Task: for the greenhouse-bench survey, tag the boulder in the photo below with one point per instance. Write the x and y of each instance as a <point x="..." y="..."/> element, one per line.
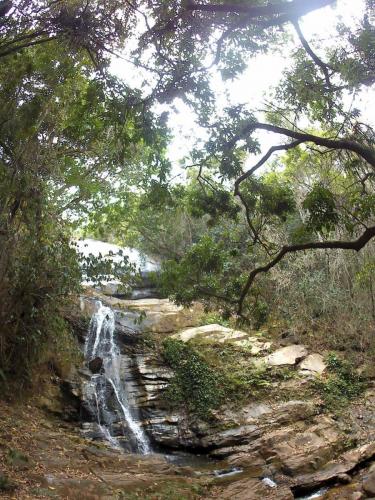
<point x="95" y="365"/>
<point x="222" y="334"/>
<point x="314" y="364"/>
<point x="289" y="355"/>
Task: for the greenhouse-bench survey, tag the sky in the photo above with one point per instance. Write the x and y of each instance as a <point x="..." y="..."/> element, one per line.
<point x="318" y="28"/>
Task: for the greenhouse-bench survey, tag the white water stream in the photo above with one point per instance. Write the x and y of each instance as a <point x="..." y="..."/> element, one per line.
<point x="106" y="388"/>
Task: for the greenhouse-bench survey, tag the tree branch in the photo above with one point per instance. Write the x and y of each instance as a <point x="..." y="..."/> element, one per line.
<point x="355" y="245"/>
<point x="323" y="66"/>
<point x="25" y="45"/>
<point x="364" y="152"/>
<point x="273" y="149"/>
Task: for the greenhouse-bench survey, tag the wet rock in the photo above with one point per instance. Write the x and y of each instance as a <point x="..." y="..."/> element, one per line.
<point x="95" y="365"/>
<point x="289" y="355"/>
<point x="88" y="305"/>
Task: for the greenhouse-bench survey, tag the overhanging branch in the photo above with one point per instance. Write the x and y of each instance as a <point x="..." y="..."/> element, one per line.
<point x="355" y="245"/>
<point x="365" y="152"/>
<point x="273" y="149"/>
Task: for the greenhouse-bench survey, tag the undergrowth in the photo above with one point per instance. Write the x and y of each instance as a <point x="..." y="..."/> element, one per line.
<point x="340" y="385"/>
<point x="210" y="375"/>
<point x="195" y="384"/>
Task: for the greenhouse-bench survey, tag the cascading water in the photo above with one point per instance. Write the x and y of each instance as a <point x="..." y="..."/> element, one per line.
<point x="105" y="389"/>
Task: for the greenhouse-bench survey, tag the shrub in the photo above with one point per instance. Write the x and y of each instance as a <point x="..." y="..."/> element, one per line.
<point x="340" y="385"/>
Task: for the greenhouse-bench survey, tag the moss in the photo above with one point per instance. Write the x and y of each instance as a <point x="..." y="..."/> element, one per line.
<point x="207" y="375"/>
<point x="195" y="384"/>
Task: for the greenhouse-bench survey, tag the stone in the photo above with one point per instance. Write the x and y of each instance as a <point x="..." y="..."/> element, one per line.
<point x="214" y="332"/>
<point x="314" y="364"/>
<point x="289" y="355"/>
<point x="344" y="478"/>
<point x="95" y="365"/>
<point x="222" y="334"/>
<point x="344" y="464"/>
<point x="368" y="484"/>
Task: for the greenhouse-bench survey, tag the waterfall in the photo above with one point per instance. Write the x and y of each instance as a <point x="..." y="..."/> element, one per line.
<point x="105" y="390"/>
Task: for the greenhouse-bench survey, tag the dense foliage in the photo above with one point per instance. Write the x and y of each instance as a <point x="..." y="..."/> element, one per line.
<point x="80" y="148"/>
<point x="70" y="138"/>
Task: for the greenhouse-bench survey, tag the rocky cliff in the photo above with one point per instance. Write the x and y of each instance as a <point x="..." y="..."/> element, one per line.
<point x="285" y="435"/>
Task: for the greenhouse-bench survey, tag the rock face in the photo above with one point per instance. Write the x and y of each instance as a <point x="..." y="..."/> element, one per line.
<point x="287" y="439"/>
<point x="96" y="365"/>
<point x="289" y="355"/>
<point x="144" y="315"/>
<point x="314" y="364"/>
<point x="221" y="334"/>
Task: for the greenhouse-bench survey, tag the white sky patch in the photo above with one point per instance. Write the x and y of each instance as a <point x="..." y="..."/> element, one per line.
<point x="262" y="74"/>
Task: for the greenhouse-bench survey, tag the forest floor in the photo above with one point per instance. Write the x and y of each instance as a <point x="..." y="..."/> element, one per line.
<point x="43" y="457"/>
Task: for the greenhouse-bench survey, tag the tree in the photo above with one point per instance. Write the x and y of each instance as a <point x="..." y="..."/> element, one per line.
<point x="189" y="39"/>
<point x="70" y="138"/>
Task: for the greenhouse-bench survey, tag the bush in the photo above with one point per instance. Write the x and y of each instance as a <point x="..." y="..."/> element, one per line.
<point x="41" y="275"/>
<point x="340" y="385"/>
